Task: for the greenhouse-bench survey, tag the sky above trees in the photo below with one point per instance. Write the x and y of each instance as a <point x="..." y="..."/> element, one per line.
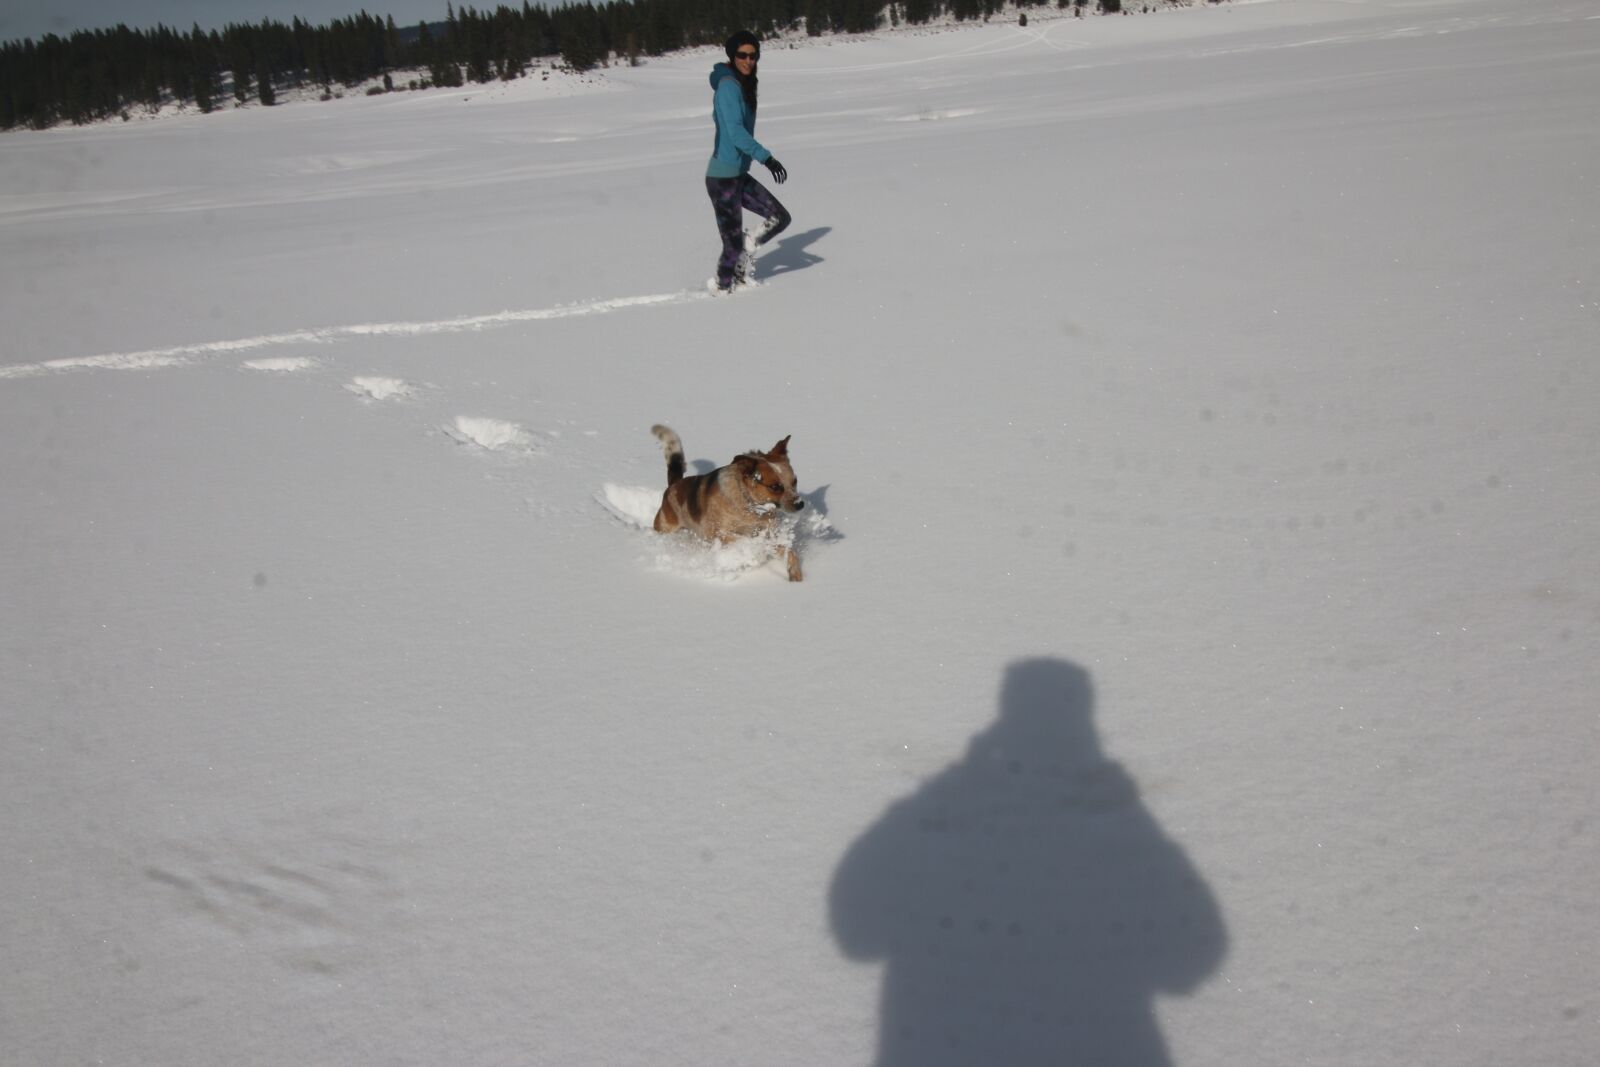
<point x="35" y="18"/>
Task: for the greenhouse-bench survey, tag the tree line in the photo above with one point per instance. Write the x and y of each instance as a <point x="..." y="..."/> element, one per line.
<point x="93" y="75"/>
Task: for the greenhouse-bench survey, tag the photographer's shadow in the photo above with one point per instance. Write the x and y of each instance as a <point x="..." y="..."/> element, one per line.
<point x="1026" y="906"/>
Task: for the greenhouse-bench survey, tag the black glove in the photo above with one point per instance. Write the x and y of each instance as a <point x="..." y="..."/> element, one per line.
<point x="779" y="175"/>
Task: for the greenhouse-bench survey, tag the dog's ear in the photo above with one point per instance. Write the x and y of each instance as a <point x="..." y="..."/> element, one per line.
<point x="781" y="448"/>
<point x="745" y="464"/>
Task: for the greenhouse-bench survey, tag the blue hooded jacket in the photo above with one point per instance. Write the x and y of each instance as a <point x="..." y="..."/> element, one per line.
<point x="735" y="147"/>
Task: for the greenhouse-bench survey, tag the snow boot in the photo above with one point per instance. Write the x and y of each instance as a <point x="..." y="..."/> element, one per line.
<point x="753" y="241"/>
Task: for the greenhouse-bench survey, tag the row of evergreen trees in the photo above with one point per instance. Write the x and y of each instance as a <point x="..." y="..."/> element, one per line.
<point x="99" y="74"/>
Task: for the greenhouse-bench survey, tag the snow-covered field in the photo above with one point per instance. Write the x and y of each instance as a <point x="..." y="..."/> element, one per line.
<point x="1196" y="662"/>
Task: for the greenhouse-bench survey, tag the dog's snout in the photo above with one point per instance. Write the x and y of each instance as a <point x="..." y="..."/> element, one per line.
<point x="797" y="505"/>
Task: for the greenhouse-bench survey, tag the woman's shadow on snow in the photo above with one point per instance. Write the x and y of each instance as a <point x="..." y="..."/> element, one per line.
<point x="1026" y="906"/>
<point x="790" y="254"/>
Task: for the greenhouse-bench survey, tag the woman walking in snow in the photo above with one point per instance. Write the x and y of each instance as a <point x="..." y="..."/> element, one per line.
<point x="728" y="180"/>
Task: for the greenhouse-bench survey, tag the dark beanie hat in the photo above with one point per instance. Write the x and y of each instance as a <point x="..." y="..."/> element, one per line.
<point x="731" y="45"/>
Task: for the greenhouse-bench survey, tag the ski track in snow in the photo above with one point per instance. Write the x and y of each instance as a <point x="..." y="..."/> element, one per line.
<point x="280" y="365"/>
<point x="681" y="554"/>
<point x="635" y="506"/>
<point x="184" y="355"/>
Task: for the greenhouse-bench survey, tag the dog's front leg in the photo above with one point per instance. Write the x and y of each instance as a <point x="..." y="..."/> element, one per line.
<point x="793" y="559"/>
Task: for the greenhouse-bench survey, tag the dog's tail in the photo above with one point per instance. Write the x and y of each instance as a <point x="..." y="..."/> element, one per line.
<point x="674" y="450"/>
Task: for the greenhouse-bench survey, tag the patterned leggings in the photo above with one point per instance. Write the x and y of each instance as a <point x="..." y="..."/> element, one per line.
<point x="729" y="199"/>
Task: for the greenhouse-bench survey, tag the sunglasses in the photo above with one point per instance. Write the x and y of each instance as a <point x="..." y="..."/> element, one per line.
<point x="752" y="56"/>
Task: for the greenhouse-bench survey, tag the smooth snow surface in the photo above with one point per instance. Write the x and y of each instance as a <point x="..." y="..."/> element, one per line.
<point x="1196" y="658"/>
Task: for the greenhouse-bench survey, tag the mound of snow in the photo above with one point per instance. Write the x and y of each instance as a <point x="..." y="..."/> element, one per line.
<point x="280" y="365"/>
<point x="378" y="388"/>
<point x="496" y="435"/>
<point x="634" y="504"/>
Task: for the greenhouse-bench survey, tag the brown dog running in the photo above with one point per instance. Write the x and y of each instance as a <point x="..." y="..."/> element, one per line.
<point x="739" y="500"/>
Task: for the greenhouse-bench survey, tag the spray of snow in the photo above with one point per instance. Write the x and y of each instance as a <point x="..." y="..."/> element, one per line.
<point x="682" y="553"/>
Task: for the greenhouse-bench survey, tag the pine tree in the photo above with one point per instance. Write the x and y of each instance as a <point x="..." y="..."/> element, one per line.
<point x="581" y="47"/>
<point x="393" y="51"/>
<point x="264" y="89"/>
<point x="240" y="63"/>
